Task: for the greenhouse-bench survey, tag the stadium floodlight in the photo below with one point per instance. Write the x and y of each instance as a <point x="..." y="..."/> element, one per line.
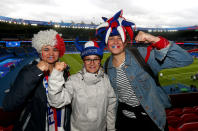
<point x="34" y="24"/>
<point x="56" y="26"/>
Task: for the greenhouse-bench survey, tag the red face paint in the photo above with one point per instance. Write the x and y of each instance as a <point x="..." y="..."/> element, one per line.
<point x="115" y="46"/>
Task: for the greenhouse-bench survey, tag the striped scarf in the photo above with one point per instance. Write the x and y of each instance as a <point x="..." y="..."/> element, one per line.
<point x="55" y="122"/>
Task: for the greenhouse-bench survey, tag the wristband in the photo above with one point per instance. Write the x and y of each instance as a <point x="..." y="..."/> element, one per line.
<point x="162" y="43"/>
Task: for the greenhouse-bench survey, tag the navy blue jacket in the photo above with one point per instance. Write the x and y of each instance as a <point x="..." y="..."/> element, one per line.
<point x="28" y="95"/>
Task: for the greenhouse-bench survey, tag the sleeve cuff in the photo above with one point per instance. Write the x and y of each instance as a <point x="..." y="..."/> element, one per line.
<point x="160" y="54"/>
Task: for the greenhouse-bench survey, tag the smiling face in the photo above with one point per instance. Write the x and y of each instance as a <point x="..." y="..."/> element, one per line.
<point x="92" y="63"/>
<point x="115" y="45"/>
<point x="49" y="54"/>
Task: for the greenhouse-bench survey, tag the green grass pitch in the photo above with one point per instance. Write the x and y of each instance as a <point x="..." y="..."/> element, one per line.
<point x="170" y="76"/>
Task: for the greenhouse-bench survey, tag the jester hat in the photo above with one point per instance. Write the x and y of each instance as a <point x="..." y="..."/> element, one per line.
<point x="90" y="48"/>
<point x="116" y="25"/>
<point x="48" y="37"/>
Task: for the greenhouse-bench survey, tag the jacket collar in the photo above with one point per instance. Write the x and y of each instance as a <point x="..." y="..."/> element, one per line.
<point x="91" y="78"/>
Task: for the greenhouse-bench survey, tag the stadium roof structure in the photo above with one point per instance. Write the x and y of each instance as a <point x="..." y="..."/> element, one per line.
<point x="167" y="29"/>
<point x="83" y="25"/>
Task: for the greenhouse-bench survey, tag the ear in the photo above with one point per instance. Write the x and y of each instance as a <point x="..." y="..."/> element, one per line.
<point x="78" y="46"/>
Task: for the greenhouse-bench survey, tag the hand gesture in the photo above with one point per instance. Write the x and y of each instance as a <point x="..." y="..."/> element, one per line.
<point x="146" y="38"/>
<point x="43" y="66"/>
<point x="60" y="66"/>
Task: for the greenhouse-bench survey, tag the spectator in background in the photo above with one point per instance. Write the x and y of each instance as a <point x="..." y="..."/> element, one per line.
<point x="141" y="103"/>
<point x="29" y="91"/>
<point x="90" y="92"/>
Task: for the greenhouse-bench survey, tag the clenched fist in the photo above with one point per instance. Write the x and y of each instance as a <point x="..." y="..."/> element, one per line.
<point x="43" y="66"/>
<point x="146" y="38"/>
<point x="60" y="66"/>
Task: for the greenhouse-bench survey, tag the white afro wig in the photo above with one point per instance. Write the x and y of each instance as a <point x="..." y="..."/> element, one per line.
<point x="42" y="38"/>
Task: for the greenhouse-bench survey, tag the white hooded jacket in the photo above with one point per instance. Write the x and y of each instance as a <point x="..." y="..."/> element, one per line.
<point x="92" y="97"/>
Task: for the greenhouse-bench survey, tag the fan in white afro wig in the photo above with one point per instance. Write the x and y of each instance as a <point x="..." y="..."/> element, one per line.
<point x="48" y="37"/>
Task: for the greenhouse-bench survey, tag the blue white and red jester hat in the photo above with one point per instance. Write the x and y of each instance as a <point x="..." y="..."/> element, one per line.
<point x="90" y="48"/>
<point x="116" y="25"/>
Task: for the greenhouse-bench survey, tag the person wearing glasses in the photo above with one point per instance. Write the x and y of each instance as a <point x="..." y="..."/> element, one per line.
<point x="89" y="91"/>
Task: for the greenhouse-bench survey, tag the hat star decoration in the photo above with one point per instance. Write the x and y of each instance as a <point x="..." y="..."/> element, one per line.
<point x="116" y="25"/>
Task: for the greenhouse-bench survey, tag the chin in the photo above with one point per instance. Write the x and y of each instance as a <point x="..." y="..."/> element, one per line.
<point x="51" y="62"/>
<point x="92" y="71"/>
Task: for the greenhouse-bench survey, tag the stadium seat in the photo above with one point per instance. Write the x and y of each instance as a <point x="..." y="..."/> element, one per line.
<point x="190" y="117"/>
<point x="9" y="128"/>
<point x="172" y="129"/>
<point x="174" y="121"/>
<point x="192" y="126"/>
<point x="186" y="110"/>
<point x="175" y="112"/>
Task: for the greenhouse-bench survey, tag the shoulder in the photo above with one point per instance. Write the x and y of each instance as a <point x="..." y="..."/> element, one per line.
<point x="106" y="77"/>
<point x="30" y="69"/>
<point x="75" y="77"/>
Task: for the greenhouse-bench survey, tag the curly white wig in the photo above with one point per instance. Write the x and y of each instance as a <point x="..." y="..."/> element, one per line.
<point x="42" y="38"/>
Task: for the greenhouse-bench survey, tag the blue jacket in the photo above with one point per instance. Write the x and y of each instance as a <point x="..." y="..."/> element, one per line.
<point x="152" y="98"/>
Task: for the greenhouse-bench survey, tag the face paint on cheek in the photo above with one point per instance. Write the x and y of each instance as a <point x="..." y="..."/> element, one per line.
<point x="50" y="57"/>
<point x="42" y="54"/>
<point x="115" y="46"/>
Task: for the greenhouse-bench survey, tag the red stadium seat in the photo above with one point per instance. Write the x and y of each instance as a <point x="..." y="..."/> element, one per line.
<point x="167" y="111"/>
<point x="196" y="109"/>
<point x="186" y="110"/>
<point x="9" y="128"/>
<point x="192" y="126"/>
<point x="173" y="121"/>
<point x="172" y="129"/>
<point x="191" y="117"/>
<point x="175" y="112"/>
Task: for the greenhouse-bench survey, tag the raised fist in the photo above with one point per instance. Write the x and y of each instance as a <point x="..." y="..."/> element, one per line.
<point x="60" y="66"/>
<point x="146" y="38"/>
<point x="43" y="66"/>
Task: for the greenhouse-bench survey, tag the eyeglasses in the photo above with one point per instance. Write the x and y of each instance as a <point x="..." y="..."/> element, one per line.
<point x="88" y="61"/>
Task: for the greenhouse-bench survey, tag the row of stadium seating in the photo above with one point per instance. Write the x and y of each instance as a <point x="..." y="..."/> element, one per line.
<point x="18" y="51"/>
<point x="11" y="57"/>
<point x="179" y="118"/>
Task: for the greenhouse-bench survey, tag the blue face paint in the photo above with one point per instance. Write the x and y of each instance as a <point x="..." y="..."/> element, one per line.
<point x="50" y="57"/>
<point x="115" y="46"/>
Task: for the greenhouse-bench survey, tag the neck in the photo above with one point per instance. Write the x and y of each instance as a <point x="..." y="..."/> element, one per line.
<point x="118" y="59"/>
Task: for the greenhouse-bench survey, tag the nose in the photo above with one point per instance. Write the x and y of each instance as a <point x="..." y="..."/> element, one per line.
<point x="50" y="53"/>
<point x="91" y="62"/>
<point x="116" y="40"/>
